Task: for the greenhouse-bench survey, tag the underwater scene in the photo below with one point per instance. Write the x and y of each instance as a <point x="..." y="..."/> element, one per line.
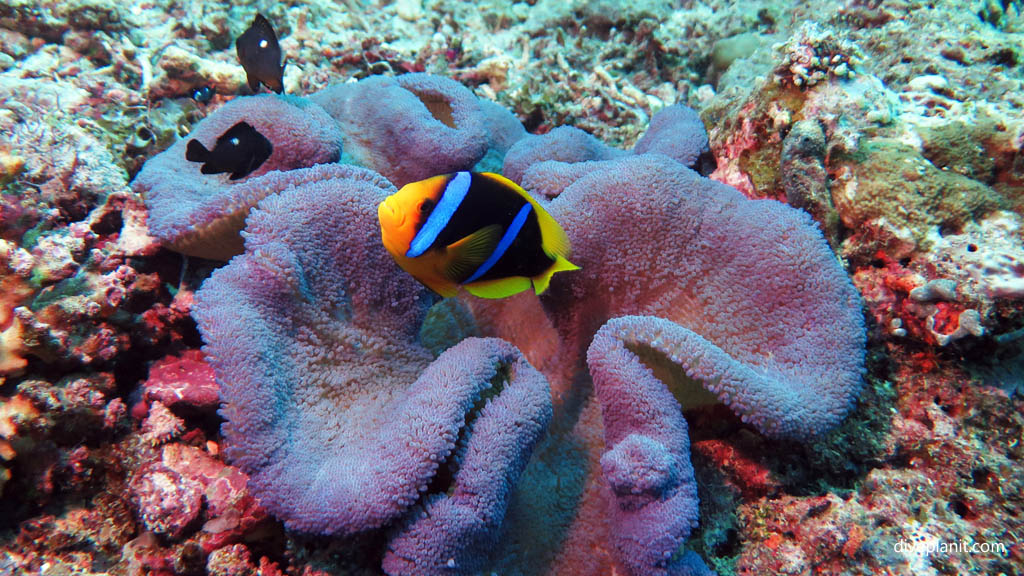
<point x="548" y="287"/>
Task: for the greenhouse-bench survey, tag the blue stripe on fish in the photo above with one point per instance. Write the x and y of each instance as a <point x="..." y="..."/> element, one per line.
<point x="503" y="244"/>
<point x="451" y="199"/>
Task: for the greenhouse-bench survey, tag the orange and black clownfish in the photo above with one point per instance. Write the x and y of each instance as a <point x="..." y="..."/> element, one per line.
<point x="480" y="231"/>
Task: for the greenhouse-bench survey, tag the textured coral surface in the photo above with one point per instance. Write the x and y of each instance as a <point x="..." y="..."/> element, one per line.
<point x="896" y="125"/>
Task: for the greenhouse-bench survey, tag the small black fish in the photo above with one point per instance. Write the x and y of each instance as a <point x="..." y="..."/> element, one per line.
<point x="203" y="94"/>
<point x="260" y="55"/>
<point x="240" y="151"/>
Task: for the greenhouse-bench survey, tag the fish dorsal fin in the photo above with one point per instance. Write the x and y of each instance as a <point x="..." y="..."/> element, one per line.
<point x="466" y="255"/>
<point x="500" y="288"/>
<point x="554" y="241"/>
<point x="261" y="23"/>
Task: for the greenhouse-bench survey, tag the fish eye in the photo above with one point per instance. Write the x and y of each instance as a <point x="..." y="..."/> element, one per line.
<point x="426" y="206"/>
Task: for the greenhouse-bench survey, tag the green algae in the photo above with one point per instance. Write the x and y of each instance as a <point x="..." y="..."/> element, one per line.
<point x="67" y="288"/>
<point x="960" y="146"/>
<point x="762" y="163"/>
<point x="447" y="323"/>
<point x="762" y="166"/>
<point x="891" y="180"/>
<point x="838" y="461"/>
<point x="31" y="237"/>
<point x="716" y="539"/>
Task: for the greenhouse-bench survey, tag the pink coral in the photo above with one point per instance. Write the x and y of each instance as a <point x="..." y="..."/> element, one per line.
<point x="184" y="379"/>
<point x="233" y="560"/>
<point x="647" y="462"/>
<point x="754" y="288"/>
<point x="675" y="131"/>
<point x="753" y="307"/>
<point x="384" y="430"/>
<point x="161" y="425"/>
<point x="416" y="125"/>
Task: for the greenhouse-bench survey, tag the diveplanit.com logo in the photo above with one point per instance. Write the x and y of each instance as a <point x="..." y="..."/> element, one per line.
<point x="955" y="547"/>
<point x="921" y="543"/>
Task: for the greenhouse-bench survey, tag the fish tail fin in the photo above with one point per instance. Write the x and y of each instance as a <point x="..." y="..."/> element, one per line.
<point x="540" y="283"/>
<point x="196" y="152"/>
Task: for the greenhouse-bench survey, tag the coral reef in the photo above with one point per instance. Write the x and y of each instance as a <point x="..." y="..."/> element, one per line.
<point x="896" y="124"/>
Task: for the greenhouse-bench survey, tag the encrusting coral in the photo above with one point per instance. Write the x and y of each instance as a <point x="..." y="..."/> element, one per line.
<point x="341" y="418"/>
<point x="316" y="347"/>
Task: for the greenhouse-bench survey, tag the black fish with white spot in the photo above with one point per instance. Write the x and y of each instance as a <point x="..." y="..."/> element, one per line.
<point x="241" y="151"/>
<point x="260" y="55"/>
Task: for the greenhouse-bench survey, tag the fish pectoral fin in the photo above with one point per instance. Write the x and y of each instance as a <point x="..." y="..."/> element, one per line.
<point x="501" y="288"/>
<point x="466" y="255"/>
<point x="254" y="83"/>
<point x="540" y="283"/>
<point x="196" y="152"/>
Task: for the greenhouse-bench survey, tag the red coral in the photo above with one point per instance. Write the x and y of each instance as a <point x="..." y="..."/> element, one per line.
<point x="182" y="380"/>
<point x="232" y="511"/>
<point x="745" y="472"/>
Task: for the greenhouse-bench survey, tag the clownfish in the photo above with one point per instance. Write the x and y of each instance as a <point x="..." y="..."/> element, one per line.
<point x="480" y="231"/>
